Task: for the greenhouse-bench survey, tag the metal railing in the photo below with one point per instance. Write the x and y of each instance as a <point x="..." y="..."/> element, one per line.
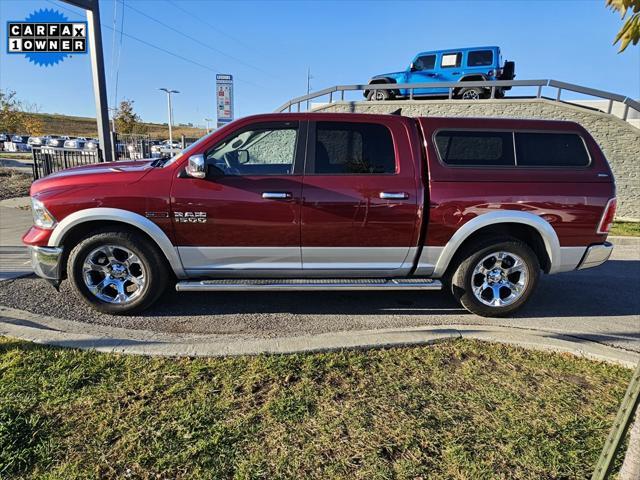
<point x="493" y="87"/>
<point x="47" y="160"/>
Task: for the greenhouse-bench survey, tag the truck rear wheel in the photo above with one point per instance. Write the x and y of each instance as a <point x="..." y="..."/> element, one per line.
<point x="495" y="277"/>
<point x="118" y="272"/>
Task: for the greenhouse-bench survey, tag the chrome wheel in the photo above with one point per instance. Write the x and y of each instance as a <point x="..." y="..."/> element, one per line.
<point x="379" y="95"/>
<point x="471" y="95"/>
<point x="499" y="279"/>
<point x="114" y="274"/>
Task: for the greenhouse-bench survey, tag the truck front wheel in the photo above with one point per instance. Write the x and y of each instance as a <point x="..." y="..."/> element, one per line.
<point x="118" y="272"/>
<point x="495" y="277"/>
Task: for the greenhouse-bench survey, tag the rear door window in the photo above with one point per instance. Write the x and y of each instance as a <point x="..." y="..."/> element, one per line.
<point x="451" y="60"/>
<point x="480" y="58"/>
<point x="475" y="148"/>
<point x="551" y="150"/>
<point x="353" y="148"/>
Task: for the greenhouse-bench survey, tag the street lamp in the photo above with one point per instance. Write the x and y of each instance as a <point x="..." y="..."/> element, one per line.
<point x="169" y="92"/>
<point x="208" y="120"/>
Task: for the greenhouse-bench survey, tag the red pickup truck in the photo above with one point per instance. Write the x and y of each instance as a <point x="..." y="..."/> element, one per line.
<point x="333" y="201"/>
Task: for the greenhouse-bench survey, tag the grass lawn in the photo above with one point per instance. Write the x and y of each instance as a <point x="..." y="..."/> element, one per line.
<point x="461" y="409"/>
<point x="14" y="183"/>
<point x="16" y="155"/>
<point x="626" y="228"/>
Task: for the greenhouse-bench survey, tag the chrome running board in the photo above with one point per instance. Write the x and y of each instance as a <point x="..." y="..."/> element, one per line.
<point x="309" y="284"/>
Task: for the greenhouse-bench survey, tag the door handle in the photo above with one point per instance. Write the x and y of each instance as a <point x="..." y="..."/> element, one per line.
<point x="394" y="195"/>
<point x="455" y="73"/>
<point x="276" y="195"/>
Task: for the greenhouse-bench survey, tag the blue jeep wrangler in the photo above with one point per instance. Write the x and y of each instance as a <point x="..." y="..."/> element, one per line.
<point x="453" y="65"/>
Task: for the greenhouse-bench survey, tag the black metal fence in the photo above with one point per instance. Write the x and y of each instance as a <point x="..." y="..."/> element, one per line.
<point x="47" y="160"/>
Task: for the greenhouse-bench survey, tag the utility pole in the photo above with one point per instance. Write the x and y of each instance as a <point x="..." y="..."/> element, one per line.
<point x="208" y="120"/>
<point x="97" y="72"/>
<point x="169" y="92"/>
<point x="309" y="77"/>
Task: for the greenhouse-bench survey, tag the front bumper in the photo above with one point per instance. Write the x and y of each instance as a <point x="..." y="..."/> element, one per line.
<point x="596" y="255"/>
<point x="46" y="262"/>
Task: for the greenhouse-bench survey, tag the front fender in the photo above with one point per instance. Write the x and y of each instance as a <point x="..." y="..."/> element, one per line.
<point x="123" y="216"/>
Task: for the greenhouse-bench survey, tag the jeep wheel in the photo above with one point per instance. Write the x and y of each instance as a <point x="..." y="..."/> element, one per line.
<point x="496" y="277"/>
<point x="117" y="272"/>
<point x="379" y="95"/>
<point x="472" y="93"/>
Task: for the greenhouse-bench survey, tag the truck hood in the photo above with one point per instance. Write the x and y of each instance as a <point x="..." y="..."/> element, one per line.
<point x="110" y="172"/>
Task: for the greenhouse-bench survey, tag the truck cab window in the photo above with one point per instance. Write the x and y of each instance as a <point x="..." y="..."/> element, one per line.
<point x="353" y="148"/>
<point x="259" y="151"/>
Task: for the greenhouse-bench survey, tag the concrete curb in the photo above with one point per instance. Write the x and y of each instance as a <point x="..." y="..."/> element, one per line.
<point x="620" y="240"/>
<point x="66" y="333"/>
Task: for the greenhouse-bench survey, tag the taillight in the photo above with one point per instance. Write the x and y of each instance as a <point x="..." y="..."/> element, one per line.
<point x="607" y="217"/>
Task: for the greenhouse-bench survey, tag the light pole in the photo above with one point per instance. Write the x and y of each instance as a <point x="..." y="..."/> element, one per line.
<point x="208" y="120"/>
<point x="169" y="92"/>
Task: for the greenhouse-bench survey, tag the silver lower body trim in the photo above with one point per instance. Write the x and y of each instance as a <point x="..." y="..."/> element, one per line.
<point x="596" y="255"/>
<point x="309" y="284"/>
<point x="226" y="262"/>
<point x="46" y="262"/>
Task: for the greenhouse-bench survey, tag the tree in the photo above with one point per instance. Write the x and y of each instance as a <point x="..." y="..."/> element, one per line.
<point x="128" y="121"/>
<point x="11" y="115"/>
<point x="630" y="31"/>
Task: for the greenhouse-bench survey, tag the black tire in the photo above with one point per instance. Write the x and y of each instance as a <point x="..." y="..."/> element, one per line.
<point x="151" y="269"/>
<point x="379" y="95"/>
<point x="463" y="279"/>
<point x="474" y="93"/>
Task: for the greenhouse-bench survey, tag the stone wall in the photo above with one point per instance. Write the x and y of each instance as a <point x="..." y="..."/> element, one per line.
<point x="619" y="140"/>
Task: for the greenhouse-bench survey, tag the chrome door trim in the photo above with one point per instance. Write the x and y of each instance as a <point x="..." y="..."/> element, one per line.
<point x="394" y="195"/>
<point x="277" y="195"/>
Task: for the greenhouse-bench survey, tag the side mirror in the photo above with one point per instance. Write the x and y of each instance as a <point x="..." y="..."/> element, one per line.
<point x="412" y="67"/>
<point x="196" y="166"/>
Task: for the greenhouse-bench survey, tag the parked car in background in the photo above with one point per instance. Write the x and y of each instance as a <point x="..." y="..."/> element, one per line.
<point x="37" y="141"/>
<point x="312" y="201"/>
<point x="17" y="143"/>
<point x="452" y="65"/>
<point x="92" y="144"/>
<point x="56" y="140"/>
<point x="75" y="142"/>
<point x="3" y="138"/>
<point x="165" y="149"/>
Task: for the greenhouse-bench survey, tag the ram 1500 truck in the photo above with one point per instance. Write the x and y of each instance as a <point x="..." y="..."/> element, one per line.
<point x="333" y="201"/>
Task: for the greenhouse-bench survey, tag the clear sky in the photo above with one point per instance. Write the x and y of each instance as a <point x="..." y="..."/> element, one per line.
<point x="269" y="45"/>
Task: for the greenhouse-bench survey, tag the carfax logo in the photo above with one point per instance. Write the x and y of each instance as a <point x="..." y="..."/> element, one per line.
<point x="46" y="37"/>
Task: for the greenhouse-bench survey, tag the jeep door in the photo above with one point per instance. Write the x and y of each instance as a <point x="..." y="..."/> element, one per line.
<point x="424" y="71"/>
<point x="244" y="217"/>
<point x="450" y="66"/>
<point x="362" y="196"/>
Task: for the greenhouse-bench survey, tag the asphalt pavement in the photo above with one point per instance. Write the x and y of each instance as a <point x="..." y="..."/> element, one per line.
<point x="600" y="305"/>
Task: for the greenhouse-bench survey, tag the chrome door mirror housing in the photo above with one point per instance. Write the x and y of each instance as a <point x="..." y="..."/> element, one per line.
<point x="196" y="166"/>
